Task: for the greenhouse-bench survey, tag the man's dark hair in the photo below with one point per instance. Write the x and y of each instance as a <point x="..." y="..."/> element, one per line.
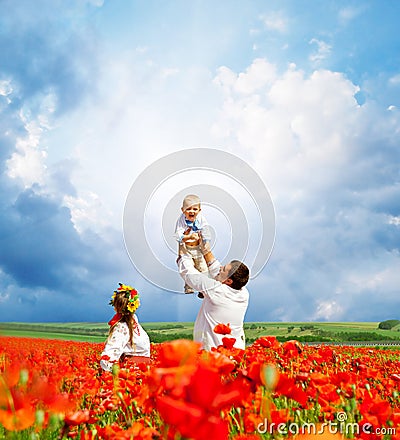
<point x="239" y="274"/>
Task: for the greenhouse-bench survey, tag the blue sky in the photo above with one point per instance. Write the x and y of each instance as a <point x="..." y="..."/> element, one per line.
<point x="94" y="92"/>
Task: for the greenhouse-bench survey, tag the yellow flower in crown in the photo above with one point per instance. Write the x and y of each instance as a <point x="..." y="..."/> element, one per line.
<point x="130" y="293"/>
<point x="133" y="305"/>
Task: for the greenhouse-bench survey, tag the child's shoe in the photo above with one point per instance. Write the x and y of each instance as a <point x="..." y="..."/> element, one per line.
<point x="188" y="289"/>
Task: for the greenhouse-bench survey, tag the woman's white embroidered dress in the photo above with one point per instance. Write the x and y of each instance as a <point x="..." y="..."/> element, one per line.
<point x="118" y="344"/>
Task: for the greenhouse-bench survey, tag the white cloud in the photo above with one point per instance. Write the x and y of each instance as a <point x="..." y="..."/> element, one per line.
<point x="258" y="75"/>
<point x="394" y="220"/>
<point x="316" y="149"/>
<point x="5" y="87"/>
<point x="323" y="51"/>
<point x="327" y="311"/>
<point x="379" y="276"/>
<point x="28" y="162"/>
<point x="4" y="297"/>
<point x="169" y="71"/>
<point x="291" y="123"/>
<point x="146" y="112"/>
<point x="88" y="212"/>
<point x="394" y="80"/>
<point x="349" y="13"/>
<point x="275" y="21"/>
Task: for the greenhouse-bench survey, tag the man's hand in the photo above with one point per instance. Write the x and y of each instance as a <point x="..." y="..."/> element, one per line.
<point x="204" y="245"/>
<point x="206" y="251"/>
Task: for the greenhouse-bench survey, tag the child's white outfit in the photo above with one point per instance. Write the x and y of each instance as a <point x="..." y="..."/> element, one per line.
<point x="199" y="225"/>
<point x="118" y="344"/>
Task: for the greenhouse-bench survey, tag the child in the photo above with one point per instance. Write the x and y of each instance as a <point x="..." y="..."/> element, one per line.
<point x="189" y="225"/>
<point x="126" y="336"/>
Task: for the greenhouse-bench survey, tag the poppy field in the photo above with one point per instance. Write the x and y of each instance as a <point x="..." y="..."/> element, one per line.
<point x="54" y="389"/>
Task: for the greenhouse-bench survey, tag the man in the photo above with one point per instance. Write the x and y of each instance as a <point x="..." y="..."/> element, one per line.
<point x="225" y="296"/>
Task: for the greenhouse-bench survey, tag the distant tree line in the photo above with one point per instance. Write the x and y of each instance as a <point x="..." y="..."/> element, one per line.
<point x="157" y="337"/>
<point x="388" y="324"/>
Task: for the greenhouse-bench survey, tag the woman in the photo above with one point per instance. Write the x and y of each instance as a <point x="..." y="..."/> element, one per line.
<point x="127" y="338"/>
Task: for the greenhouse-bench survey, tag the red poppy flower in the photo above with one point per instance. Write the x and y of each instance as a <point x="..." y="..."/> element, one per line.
<point x="302" y="376"/>
<point x="286" y="386"/>
<point x="17" y="420"/>
<point x="185" y="416"/>
<point x="268" y="342"/>
<point x="319" y="378"/>
<point x="178" y="352"/>
<point x="191" y="420"/>
<point x="221" y="362"/>
<point x="292" y="348"/>
<point x="329" y="393"/>
<point x="222" y="329"/>
<point x="77" y="417"/>
<point x="376" y="409"/>
<point x="228" y="342"/>
<point x="208" y="391"/>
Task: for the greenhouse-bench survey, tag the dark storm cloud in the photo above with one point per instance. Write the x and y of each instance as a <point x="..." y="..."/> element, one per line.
<point x="39" y="242"/>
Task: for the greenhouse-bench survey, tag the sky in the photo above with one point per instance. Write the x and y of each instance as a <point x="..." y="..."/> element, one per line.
<point x="98" y="96"/>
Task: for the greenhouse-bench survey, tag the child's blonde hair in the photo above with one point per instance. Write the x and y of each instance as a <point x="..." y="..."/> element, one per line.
<point x="190" y="200"/>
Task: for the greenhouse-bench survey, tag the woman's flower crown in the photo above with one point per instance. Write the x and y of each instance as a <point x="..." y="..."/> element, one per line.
<point x="131" y="294"/>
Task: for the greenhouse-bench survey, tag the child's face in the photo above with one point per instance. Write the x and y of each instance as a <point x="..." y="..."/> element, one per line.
<point x="191" y="212"/>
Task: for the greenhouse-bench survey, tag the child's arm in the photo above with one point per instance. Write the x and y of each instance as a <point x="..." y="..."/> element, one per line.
<point x="181" y="229"/>
<point x="206" y="250"/>
<point x="206" y="233"/>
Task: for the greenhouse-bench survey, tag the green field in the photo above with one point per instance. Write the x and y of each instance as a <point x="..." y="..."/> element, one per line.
<point x="164" y="331"/>
<point x="322" y="332"/>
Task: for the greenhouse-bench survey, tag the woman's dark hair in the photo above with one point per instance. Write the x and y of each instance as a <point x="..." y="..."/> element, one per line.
<point x="239" y="274"/>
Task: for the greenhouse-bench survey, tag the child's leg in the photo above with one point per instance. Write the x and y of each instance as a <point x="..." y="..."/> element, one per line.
<point x="201" y="265"/>
<point x="187" y="288"/>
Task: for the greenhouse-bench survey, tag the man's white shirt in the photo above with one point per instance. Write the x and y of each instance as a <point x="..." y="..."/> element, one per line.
<point x="221" y="304"/>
